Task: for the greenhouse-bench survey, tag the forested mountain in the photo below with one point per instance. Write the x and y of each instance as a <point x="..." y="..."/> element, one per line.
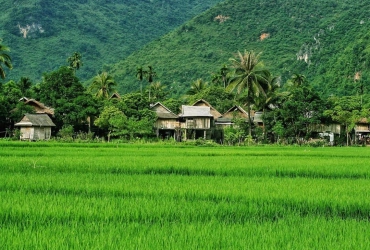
<point x="42" y="34"/>
<point x="326" y="40"/>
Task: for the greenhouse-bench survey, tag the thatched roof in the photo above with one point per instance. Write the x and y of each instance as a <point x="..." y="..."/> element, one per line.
<point x="115" y="96"/>
<point x="195" y="111"/>
<point x="39" y="107"/>
<point x="363" y="120"/>
<point x="238" y="111"/>
<point x="162" y="111"/>
<point x="35" y="120"/>
<point x="202" y="102"/>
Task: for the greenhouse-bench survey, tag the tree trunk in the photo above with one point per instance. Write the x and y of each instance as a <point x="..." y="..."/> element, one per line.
<point x="249" y="120"/>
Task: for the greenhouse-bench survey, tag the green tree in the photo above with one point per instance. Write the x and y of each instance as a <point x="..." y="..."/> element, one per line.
<point x="297" y="80"/>
<point x="158" y="91"/>
<point x="75" y="61"/>
<point x="197" y="86"/>
<point x="250" y="78"/>
<point x="102" y="86"/>
<point x="111" y="119"/>
<point x="62" y="91"/>
<point x="221" y="77"/>
<point x="346" y="111"/>
<point x="9" y="95"/>
<point x="5" y="60"/>
<point x="140" y="74"/>
<point x="300" y="111"/>
<point x="150" y="74"/>
<point x="25" y="85"/>
<point x="174" y="104"/>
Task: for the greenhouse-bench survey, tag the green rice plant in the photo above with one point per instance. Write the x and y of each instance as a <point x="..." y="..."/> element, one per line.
<point x="99" y="196"/>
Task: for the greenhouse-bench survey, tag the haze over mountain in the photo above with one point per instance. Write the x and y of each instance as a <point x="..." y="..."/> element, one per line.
<point x="42" y="34"/>
<point x="328" y="41"/>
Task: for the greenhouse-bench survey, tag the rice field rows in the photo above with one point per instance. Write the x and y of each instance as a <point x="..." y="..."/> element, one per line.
<point x="105" y="196"/>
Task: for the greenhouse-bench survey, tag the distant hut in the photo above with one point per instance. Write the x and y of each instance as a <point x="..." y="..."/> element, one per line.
<point x="167" y="124"/>
<point x="196" y="121"/>
<point x="234" y="112"/>
<point x="362" y="131"/>
<point x="35" y="127"/>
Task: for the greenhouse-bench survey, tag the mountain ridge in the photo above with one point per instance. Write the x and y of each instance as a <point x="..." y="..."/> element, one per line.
<point x="42" y="34"/>
<point x="314" y="38"/>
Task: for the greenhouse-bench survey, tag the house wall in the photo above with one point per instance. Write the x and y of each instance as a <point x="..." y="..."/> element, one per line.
<point x="362" y="127"/>
<point x="166" y="124"/>
<point x="197" y="123"/>
<point x="27" y="133"/>
<point x="333" y="128"/>
<point x="35" y="133"/>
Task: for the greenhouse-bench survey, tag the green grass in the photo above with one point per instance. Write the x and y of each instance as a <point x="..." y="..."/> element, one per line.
<point x="121" y="196"/>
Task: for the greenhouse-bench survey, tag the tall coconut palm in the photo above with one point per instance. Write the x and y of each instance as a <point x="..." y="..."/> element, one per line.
<point x="250" y="78"/>
<point x="150" y="74"/>
<point x="102" y="85"/>
<point x="140" y="74"/>
<point x="4" y="59"/>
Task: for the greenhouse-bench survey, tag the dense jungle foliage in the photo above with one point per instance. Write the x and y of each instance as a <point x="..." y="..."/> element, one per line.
<point x="327" y="41"/>
<point x="42" y="33"/>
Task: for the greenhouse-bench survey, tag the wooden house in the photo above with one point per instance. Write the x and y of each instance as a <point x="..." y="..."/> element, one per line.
<point x="233" y="113"/>
<point x="196" y="121"/>
<point x="35" y="127"/>
<point x="167" y="124"/>
<point x="362" y="131"/>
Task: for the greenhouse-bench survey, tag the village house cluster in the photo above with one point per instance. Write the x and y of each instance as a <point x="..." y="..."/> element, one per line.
<point x="199" y="120"/>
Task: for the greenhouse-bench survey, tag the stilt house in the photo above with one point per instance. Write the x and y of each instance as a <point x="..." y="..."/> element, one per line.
<point x="196" y="121"/>
<point x="167" y="124"/>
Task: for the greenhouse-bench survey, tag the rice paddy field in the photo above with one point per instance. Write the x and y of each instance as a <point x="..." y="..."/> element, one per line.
<point x="127" y="196"/>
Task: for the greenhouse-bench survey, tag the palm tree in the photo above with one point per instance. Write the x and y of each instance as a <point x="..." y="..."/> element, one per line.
<point x="75" y="61"/>
<point x="249" y="77"/>
<point x="24" y="85"/>
<point x="140" y="74"/>
<point x="150" y="74"/>
<point x="4" y="59"/>
<point x="197" y="86"/>
<point x="272" y="95"/>
<point x="157" y="90"/>
<point x="298" y="80"/>
<point x="221" y="76"/>
<point x="102" y="85"/>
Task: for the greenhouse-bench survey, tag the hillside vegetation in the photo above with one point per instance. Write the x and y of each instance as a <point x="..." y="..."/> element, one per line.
<point x="328" y="41"/>
<point x="42" y="34"/>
